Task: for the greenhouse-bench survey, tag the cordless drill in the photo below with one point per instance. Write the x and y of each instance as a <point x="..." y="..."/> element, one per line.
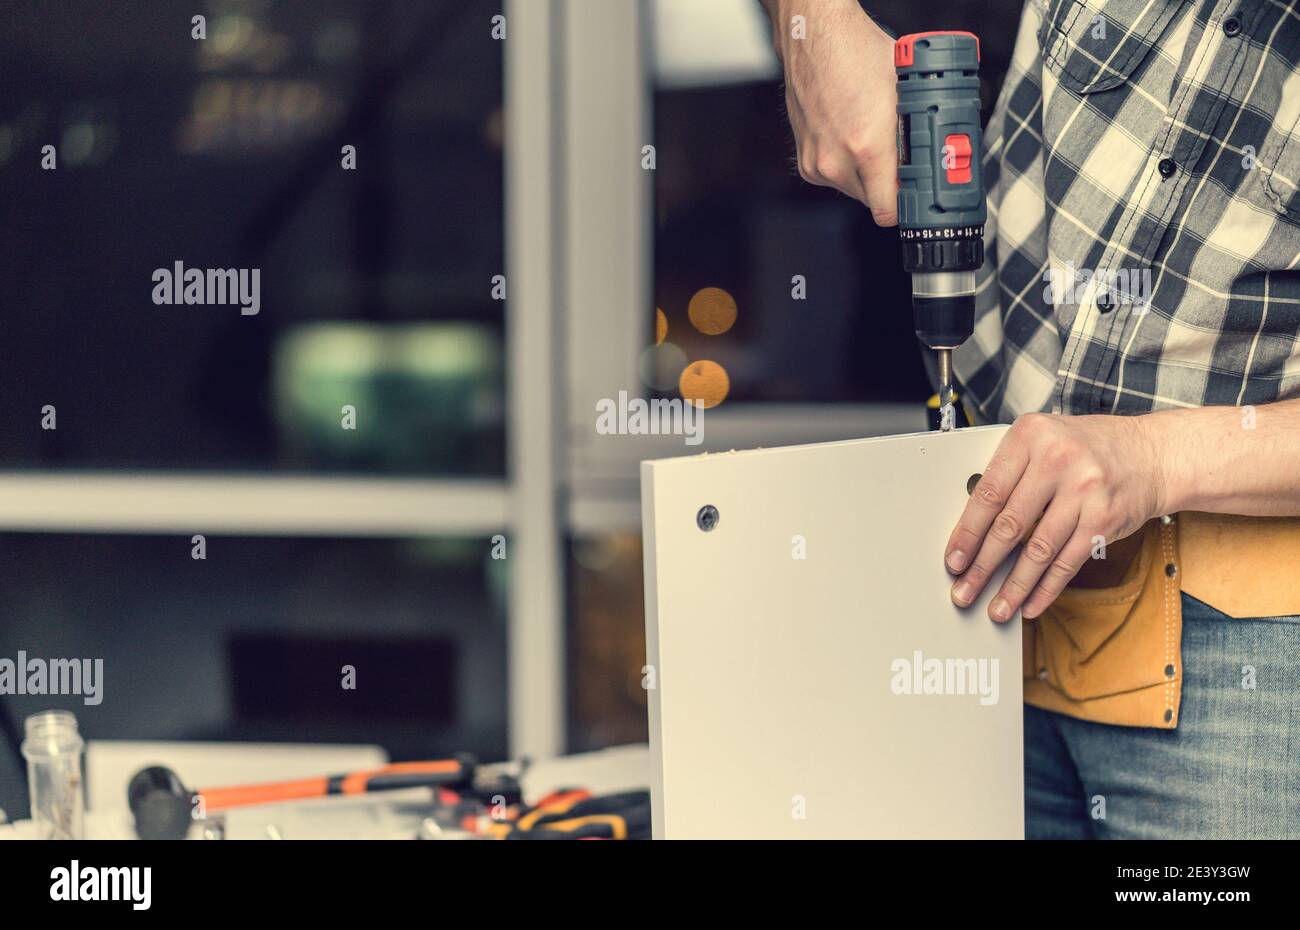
<point x="941" y="210"/>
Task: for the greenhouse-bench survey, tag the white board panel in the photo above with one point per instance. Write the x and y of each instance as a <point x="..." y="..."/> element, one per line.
<point x="778" y="708"/>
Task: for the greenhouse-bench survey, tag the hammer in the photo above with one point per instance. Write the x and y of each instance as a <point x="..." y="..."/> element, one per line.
<point x="164" y="808"/>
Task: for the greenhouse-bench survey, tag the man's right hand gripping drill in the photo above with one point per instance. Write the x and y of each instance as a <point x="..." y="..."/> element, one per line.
<point x="841" y="92"/>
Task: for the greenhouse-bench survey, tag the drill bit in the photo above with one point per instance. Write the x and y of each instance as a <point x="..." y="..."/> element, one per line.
<point x="945" y="376"/>
<point x="947" y="413"/>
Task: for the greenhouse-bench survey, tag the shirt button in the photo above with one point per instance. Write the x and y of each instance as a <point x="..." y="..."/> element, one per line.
<point x="1167" y="167"/>
<point x="1231" y="27"/>
<point x="1105" y="304"/>
<point x="1171" y="569"/>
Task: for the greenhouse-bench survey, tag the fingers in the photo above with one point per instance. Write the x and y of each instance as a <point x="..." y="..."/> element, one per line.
<point x="827" y="169"/>
<point x="1009" y="527"/>
<point x="1004" y="472"/>
<point x="841" y="99"/>
<point x="864" y="176"/>
<point x="1070" y="467"/>
<point x="1058" y="574"/>
<point x="841" y="107"/>
<point x="878" y="177"/>
<point x="1045" y="543"/>
<point x="858" y="167"/>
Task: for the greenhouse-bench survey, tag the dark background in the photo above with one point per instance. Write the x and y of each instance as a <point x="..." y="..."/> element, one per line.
<point x="225" y="153"/>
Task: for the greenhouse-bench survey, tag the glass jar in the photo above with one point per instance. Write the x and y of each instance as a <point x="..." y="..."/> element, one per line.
<point x="53" y="749"/>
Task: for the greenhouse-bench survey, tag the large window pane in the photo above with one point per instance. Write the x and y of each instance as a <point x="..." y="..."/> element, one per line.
<point x="228" y="152"/>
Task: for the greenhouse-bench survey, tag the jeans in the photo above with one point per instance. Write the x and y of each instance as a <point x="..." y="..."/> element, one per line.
<point x="1231" y="769"/>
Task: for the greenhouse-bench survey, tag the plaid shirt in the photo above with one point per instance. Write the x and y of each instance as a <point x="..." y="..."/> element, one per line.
<point x="1144" y="221"/>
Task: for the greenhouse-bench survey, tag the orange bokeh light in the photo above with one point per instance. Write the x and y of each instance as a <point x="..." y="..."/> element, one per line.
<point x="712" y="311"/>
<point x="704" y="382"/>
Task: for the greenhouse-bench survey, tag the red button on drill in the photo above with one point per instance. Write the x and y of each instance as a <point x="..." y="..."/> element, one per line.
<point x="956" y="158"/>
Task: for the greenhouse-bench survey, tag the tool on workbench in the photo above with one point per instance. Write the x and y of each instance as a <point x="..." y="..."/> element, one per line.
<point x="164" y="808"/>
<point x="577" y="814"/>
<point x="941" y="210"/>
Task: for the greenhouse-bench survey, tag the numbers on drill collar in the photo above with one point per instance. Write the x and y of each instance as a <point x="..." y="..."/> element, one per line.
<point x="947" y="232"/>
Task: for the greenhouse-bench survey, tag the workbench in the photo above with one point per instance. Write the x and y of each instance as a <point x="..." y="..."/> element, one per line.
<point x="390" y="815"/>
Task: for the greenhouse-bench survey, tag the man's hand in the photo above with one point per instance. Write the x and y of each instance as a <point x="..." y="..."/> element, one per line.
<point x="1060" y="483"/>
<point x="841" y="92"/>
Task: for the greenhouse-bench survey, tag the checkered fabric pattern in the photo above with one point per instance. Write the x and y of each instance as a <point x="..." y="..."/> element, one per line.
<point x="1144" y="219"/>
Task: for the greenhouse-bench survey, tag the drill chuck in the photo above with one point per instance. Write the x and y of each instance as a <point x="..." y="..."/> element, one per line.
<point x="941" y="206"/>
<point x="943" y="307"/>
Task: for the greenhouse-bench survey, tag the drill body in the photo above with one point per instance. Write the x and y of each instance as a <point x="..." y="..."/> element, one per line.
<point x="941" y="204"/>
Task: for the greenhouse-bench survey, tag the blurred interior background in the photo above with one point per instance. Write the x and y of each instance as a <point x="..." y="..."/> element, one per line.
<point x="475" y="416"/>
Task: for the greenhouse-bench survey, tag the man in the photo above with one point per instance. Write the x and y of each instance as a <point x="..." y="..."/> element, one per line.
<point x="1154" y="461"/>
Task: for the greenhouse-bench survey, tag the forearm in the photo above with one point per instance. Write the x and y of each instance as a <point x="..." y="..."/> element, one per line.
<point x="782" y="12"/>
<point x="1231" y="460"/>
